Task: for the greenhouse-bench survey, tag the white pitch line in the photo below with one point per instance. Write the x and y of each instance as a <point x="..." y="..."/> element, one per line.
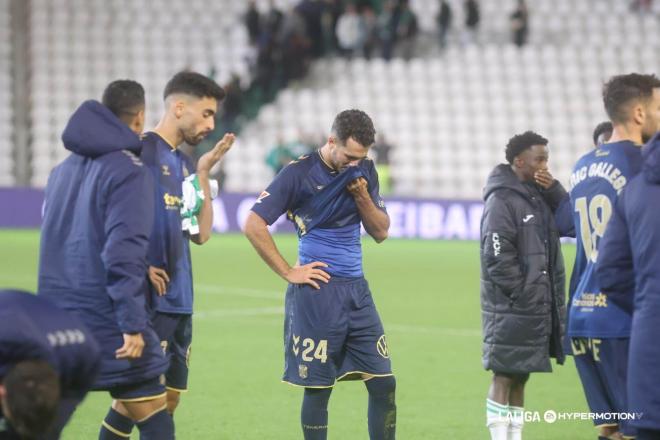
<point x="395" y="328"/>
<point x="256" y="311"/>
<point x="218" y="289"/>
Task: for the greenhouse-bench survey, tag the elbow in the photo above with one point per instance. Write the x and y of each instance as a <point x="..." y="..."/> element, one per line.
<point x="201" y="238"/>
<point x="380" y="237"/>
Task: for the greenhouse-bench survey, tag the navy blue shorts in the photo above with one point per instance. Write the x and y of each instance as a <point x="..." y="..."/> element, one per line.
<point x="135" y="392"/>
<point x="333" y="334"/>
<point x="175" y="333"/>
<point x="603" y="365"/>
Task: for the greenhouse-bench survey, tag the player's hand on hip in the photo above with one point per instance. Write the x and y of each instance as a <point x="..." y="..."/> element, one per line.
<point x="159" y="279"/>
<point x="308" y="274"/>
<point x="358" y="187"/>
<point x="132" y="348"/>
<point x="214" y="155"/>
<point x="544" y="178"/>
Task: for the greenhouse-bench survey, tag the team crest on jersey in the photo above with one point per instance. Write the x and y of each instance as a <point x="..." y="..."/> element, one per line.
<point x="166" y="170"/>
<point x="163" y="345"/>
<point x="262" y="196"/>
<point x="381" y="346"/>
<point x="302" y="371"/>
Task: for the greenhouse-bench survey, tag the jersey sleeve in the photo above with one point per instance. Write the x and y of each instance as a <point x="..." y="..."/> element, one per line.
<point x="279" y="196"/>
<point x="374" y="187"/>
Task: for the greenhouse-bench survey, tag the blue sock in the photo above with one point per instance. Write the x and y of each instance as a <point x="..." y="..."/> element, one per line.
<point x="159" y="426"/>
<point x="115" y="426"/>
<point x="382" y="409"/>
<point x="314" y="413"/>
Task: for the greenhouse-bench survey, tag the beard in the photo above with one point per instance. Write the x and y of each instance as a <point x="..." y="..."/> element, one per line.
<point x="193" y="139"/>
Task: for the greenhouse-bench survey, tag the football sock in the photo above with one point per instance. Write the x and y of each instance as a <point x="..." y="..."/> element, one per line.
<point x="115" y="426"/>
<point x="497" y="420"/>
<point x="314" y="413"/>
<point x="382" y="407"/>
<point x="515" y="423"/>
<point x="159" y="426"/>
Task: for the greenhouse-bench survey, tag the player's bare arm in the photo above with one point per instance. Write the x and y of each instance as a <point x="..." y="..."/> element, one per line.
<point x="375" y="221"/>
<point x="257" y="232"/>
<point x="206" y="162"/>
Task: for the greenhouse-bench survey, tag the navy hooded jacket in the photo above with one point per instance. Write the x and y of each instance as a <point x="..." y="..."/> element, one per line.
<point x="98" y="214"/>
<point x="627" y="269"/>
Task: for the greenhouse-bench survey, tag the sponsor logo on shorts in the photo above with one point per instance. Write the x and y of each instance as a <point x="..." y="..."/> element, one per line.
<point x="188" y="356"/>
<point x="302" y="371"/>
<point x="381" y="346"/>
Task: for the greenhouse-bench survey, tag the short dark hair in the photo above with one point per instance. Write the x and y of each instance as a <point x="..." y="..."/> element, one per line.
<point x="124" y="97"/>
<point x="356" y="124"/>
<point x="620" y="90"/>
<point x="604" y="127"/>
<point x="32" y="394"/>
<point x="195" y="84"/>
<point x="521" y="142"/>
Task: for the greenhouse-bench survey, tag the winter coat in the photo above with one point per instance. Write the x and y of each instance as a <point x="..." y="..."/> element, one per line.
<point x="98" y="214"/>
<point x="628" y="261"/>
<point x="522" y="275"/>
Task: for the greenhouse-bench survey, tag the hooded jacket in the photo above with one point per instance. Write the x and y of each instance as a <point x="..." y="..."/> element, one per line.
<point x="628" y="261"/>
<point x="522" y="275"/>
<point x="97" y="217"/>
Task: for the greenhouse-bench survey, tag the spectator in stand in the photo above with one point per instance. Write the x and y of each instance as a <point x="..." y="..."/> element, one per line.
<point x="520" y="24"/>
<point x="406" y="30"/>
<point x="472" y="19"/>
<point x="387" y="23"/>
<point x="350" y="31"/>
<point x="370" y="21"/>
<point x="444" y="22"/>
<point x="252" y="22"/>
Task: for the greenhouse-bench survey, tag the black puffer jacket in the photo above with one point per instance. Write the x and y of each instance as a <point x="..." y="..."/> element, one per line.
<point x="522" y="275"/>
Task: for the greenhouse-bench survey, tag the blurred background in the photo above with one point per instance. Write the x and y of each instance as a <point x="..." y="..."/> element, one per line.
<point x="447" y="83"/>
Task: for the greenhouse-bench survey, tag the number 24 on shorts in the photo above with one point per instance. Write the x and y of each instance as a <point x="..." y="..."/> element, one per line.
<point x="308" y="345"/>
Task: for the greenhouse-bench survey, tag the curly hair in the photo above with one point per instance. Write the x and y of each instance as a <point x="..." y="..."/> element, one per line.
<point x="521" y="142"/>
<point x="356" y="124"/>
<point x="621" y="90"/>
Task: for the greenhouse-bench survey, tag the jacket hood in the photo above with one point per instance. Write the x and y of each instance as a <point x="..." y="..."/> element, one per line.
<point x="651" y="155"/>
<point x="503" y="177"/>
<point x="93" y="130"/>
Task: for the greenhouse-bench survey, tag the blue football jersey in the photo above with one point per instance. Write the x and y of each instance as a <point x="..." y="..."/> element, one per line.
<point x="597" y="179"/>
<point x="169" y="246"/>
<point x="335" y="240"/>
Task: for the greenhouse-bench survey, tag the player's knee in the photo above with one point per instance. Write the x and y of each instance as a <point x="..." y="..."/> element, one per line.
<point x="316" y="397"/>
<point x="519" y="380"/>
<point x="381" y="386"/>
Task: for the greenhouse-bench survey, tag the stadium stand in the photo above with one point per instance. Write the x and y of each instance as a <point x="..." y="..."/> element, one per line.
<point x="6" y="114"/>
<point x="448" y="114"/>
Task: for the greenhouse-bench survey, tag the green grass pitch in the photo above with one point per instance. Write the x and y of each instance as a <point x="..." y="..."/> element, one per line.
<point x="427" y="293"/>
